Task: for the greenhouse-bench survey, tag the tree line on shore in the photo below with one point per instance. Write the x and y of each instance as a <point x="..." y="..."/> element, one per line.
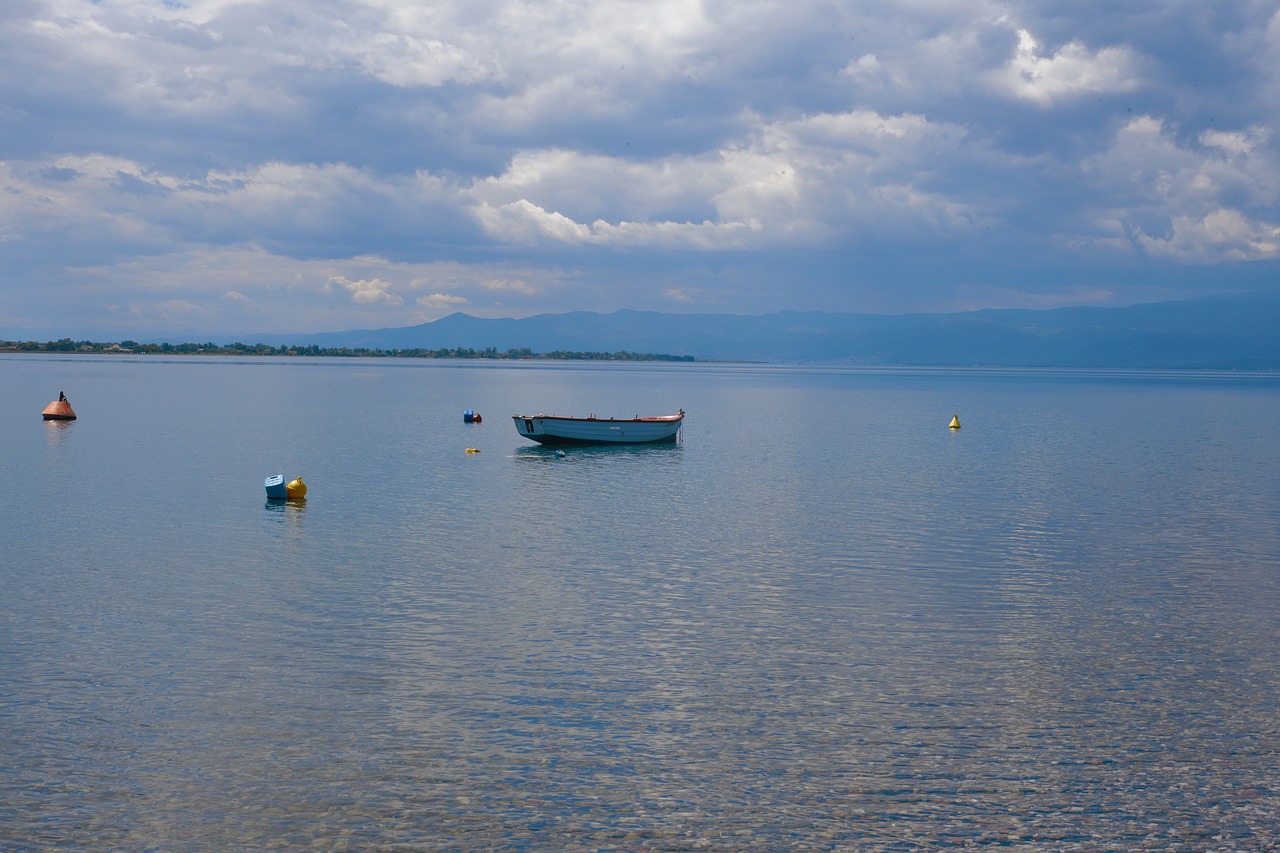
<point x="210" y="348"/>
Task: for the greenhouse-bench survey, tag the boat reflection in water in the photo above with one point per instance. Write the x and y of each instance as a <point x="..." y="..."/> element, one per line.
<point x="553" y="452"/>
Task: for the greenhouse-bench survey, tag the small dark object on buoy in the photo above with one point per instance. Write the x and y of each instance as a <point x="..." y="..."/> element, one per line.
<point x="59" y="410"/>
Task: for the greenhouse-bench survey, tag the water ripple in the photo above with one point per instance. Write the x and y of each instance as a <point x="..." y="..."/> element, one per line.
<point x="860" y="631"/>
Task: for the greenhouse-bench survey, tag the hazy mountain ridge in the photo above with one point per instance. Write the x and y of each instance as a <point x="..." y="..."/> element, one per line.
<point x="1225" y="332"/>
<point x="1229" y="332"/>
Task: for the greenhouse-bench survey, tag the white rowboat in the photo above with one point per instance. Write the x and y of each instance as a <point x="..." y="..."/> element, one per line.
<point x="553" y="429"/>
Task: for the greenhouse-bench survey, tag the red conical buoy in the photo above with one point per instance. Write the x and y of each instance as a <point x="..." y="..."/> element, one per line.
<point x="59" y="410"/>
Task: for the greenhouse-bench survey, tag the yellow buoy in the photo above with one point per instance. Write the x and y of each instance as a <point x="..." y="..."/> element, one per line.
<point x="473" y="450"/>
<point x="296" y="488"/>
<point x="955" y="422"/>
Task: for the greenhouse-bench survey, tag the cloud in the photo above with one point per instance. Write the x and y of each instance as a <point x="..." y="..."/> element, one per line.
<point x="365" y="292"/>
<point x="403" y="60"/>
<point x="1071" y="72"/>
<point x="1211" y="200"/>
<point x="356" y="164"/>
<point x="118" y="206"/>
<point x="248" y="289"/>
<point x="510" y="285"/>
<point x="1218" y="236"/>
<point x="801" y="182"/>
<point x="522" y="221"/>
<point x="434" y="302"/>
<point x="1238" y="143"/>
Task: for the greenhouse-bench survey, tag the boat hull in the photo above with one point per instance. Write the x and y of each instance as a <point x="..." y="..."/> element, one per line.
<point x="550" y="429"/>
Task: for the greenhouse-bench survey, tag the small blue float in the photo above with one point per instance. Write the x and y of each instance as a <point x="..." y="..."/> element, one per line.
<point x="276" y="489"/>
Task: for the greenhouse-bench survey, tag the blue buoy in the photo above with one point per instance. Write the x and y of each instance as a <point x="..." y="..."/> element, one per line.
<point x="276" y="488"/>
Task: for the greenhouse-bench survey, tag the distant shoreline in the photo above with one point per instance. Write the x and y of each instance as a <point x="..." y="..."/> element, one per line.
<point x="69" y="346"/>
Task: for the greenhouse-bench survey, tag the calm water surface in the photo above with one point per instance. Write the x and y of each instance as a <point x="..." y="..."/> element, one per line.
<point x="823" y="621"/>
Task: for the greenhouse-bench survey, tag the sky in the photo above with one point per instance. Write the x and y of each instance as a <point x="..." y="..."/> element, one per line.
<point x="313" y="165"/>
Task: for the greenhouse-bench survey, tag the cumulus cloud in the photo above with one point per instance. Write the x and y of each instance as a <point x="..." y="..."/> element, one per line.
<point x="403" y="60"/>
<point x="436" y="301"/>
<point x="346" y="164"/>
<point x="121" y="206"/>
<point x="1220" y="235"/>
<point x="366" y="292"/>
<point x="1072" y="71"/>
<point x="1208" y="200"/>
<point x="1240" y="143"/>
<point x="524" y="222"/>
<point x="801" y="182"/>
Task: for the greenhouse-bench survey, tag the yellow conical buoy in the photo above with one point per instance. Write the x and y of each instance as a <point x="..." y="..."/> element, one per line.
<point x="296" y="488"/>
<point x="955" y="422"/>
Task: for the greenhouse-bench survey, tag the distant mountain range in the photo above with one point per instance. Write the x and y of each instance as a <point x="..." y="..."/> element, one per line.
<point x="1222" y="333"/>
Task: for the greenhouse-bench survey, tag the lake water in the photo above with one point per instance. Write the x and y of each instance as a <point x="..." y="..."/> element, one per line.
<point x="822" y="621"/>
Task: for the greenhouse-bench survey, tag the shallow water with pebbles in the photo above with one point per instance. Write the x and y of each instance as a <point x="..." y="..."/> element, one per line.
<point x="822" y="621"/>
